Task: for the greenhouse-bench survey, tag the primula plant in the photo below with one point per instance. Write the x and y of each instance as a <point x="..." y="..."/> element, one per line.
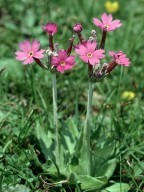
<point x="72" y="160"/>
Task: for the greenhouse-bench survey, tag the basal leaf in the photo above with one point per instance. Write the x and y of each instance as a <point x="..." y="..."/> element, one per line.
<point x="107" y="169"/>
<point x="89" y="183"/>
<point x="118" y="187"/>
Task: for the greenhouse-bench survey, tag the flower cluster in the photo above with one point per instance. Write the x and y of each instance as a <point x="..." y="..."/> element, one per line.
<point x="58" y="59"/>
<point x="91" y="53"/>
<point x="88" y="50"/>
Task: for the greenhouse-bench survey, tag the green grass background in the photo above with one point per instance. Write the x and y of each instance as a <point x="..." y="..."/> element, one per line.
<point x="25" y="91"/>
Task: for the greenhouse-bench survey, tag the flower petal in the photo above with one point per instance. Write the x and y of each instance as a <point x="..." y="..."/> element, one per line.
<point x="91" y="46"/>
<point x="81" y="50"/>
<point x="84" y="58"/>
<point x="35" y="45"/>
<point x="39" y="54"/>
<point x="97" y="22"/>
<point x="111" y="53"/>
<point x="29" y="60"/>
<point x="55" y="61"/>
<point x="21" y="55"/>
<point x="67" y="67"/>
<point x="62" y="54"/>
<point x="93" y="60"/>
<point x="115" y="24"/>
<point x="60" y="69"/>
<point x="104" y="18"/>
<point x="70" y="60"/>
<point x="109" y="18"/>
<point x="99" y="53"/>
<point x="25" y="46"/>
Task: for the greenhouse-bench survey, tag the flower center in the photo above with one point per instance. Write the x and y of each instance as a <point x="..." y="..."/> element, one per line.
<point x="106" y="26"/>
<point x="62" y="63"/>
<point x="30" y="54"/>
<point x="89" y="54"/>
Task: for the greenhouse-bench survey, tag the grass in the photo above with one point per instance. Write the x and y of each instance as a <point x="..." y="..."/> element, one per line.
<point x="26" y="118"/>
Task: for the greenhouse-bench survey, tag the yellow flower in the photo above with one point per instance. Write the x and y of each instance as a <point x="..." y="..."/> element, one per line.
<point x="128" y="95"/>
<point x="112" y="7"/>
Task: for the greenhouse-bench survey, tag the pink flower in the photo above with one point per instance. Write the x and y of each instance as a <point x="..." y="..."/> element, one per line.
<point x="120" y="58"/>
<point x="107" y="24"/>
<point x="77" y="28"/>
<point x="50" y="28"/>
<point x="63" y="61"/>
<point x="88" y="53"/>
<point x="28" y="52"/>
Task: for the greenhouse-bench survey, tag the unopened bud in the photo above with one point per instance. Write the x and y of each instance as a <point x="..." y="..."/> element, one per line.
<point x="112" y="64"/>
<point x="56" y="46"/>
<point x="99" y="74"/>
<point x="91" y="39"/>
<point x="93" y="33"/>
<point x="77" y="28"/>
<point x="104" y="67"/>
<point x="73" y="36"/>
<point x="54" y="54"/>
<point x="49" y="52"/>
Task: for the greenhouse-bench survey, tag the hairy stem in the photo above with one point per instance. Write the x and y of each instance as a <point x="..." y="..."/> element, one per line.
<point x="55" y="116"/>
<point x="87" y="128"/>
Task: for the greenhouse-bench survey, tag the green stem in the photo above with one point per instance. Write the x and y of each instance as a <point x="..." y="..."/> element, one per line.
<point x="87" y="129"/>
<point x="55" y="116"/>
<point x="120" y="80"/>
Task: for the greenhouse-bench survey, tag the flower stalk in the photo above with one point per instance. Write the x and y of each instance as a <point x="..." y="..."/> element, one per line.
<point x="51" y="42"/>
<point x="87" y="128"/>
<point x="39" y="63"/>
<point x="55" y="116"/>
<point x="71" y="41"/>
<point x="102" y="44"/>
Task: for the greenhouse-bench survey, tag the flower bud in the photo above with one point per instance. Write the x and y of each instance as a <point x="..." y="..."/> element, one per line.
<point x="104" y="67"/>
<point x="49" y="52"/>
<point x="91" y="39"/>
<point x="93" y="33"/>
<point x="77" y="28"/>
<point x="56" y="45"/>
<point x="50" y="28"/>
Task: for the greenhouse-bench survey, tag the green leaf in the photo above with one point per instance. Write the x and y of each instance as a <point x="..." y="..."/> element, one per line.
<point x="89" y="183"/>
<point x="78" y="169"/>
<point x="118" y="187"/>
<point x="101" y="161"/>
<point x="29" y="18"/>
<point x="45" y="140"/>
<point x="139" y="168"/>
<point x="17" y="188"/>
<point x="72" y="128"/>
<point x="11" y="26"/>
<point x="107" y="169"/>
<point x="1" y="70"/>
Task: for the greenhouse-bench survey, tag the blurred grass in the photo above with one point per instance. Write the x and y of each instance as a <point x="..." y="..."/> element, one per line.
<point x="25" y="92"/>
